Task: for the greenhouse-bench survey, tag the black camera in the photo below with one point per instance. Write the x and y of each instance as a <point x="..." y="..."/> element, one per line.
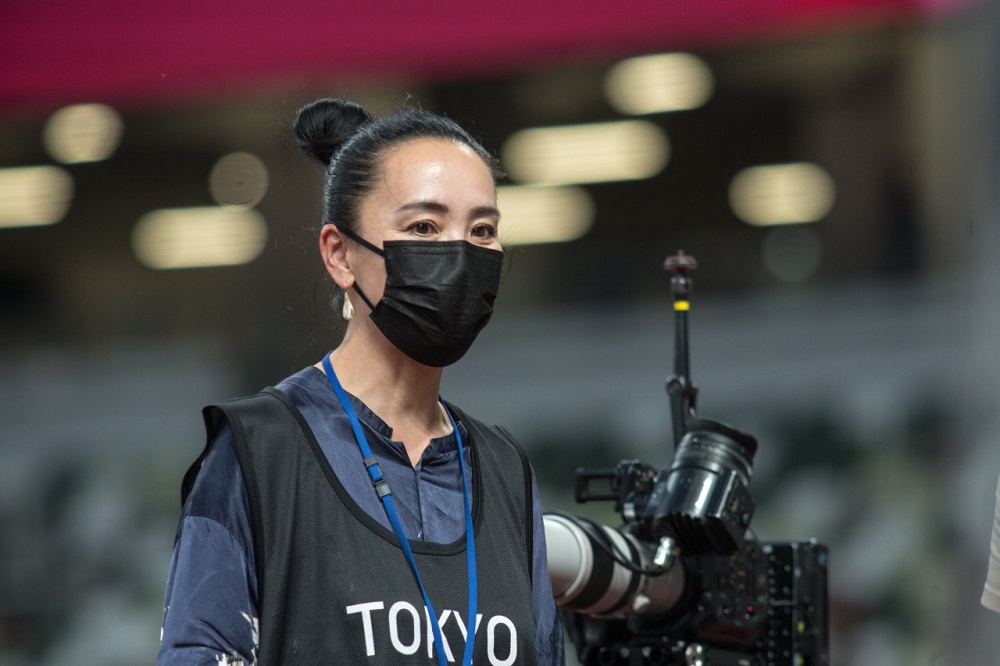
<point x="684" y="580"/>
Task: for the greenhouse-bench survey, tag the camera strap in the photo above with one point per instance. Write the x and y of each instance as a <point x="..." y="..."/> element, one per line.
<point x="382" y="488"/>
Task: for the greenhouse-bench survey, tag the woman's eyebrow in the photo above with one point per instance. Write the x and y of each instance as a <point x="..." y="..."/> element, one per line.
<point x="486" y="211"/>
<point x="423" y="206"/>
<point x="438" y="207"/>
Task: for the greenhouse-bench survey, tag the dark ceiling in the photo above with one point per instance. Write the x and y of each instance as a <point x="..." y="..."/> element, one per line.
<point x="155" y="51"/>
<point x="839" y="98"/>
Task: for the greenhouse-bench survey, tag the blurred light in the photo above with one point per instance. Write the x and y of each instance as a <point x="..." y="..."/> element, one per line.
<point x="543" y="214"/>
<point x="662" y="82"/>
<point x="34" y="196"/>
<point x="782" y="194"/>
<point x="194" y="237"/>
<point x="83" y="133"/>
<point x="792" y="254"/>
<point x="238" y="178"/>
<point x="626" y="150"/>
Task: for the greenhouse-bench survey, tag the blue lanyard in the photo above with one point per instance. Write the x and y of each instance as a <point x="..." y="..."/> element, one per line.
<point x="382" y="488"/>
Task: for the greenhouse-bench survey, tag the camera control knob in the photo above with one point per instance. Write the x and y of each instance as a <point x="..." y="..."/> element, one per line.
<point x="665" y="552"/>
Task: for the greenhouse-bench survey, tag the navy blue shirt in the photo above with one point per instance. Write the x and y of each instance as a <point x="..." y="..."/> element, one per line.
<point x="210" y="614"/>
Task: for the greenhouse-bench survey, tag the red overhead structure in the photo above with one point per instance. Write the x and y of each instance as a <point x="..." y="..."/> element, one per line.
<point x="145" y="51"/>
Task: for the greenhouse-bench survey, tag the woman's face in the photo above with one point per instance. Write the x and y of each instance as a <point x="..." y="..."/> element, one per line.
<point x="431" y="190"/>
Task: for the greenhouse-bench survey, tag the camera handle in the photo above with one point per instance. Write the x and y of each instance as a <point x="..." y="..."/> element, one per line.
<point x="681" y="391"/>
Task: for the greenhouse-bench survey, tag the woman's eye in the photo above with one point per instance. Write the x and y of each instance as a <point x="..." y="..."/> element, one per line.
<point x="484" y="231"/>
<point x="422" y="228"/>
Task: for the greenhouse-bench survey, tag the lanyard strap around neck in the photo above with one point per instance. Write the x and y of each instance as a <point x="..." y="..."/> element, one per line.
<point x="382" y="488"/>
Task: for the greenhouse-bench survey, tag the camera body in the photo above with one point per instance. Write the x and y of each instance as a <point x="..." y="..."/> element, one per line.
<point x="684" y="580"/>
<point x="763" y="605"/>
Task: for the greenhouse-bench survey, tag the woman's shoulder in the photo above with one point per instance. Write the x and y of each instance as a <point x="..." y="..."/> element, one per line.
<point x="307" y="388"/>
<point x="492" y="431"/>
<point x="216" y="479"/>
<point x="215" y="495"/>
<point x="306" y="379"/>
<point x="489" y="437"/>
<point x="295" y="392"/>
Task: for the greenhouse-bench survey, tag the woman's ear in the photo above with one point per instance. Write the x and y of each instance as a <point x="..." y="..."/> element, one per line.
<point x="333" y="250"/>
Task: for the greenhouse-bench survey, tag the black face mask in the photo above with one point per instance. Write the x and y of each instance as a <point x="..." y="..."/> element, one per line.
<point x="438" y="296"/>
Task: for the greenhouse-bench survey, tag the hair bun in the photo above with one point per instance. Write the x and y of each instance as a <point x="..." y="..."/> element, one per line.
<point x="323" y="126"/>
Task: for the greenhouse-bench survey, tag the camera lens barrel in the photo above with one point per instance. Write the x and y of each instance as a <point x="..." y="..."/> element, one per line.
<point x="586" y="577"/>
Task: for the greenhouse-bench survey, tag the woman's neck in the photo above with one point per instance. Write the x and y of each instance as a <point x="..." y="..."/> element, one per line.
<point x="401" y="391"/>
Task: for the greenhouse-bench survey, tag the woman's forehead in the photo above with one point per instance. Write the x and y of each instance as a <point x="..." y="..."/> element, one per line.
<point x="425" y="166"/>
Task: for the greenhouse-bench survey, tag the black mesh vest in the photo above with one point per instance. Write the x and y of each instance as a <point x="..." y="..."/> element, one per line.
<point x="335" y="587"/>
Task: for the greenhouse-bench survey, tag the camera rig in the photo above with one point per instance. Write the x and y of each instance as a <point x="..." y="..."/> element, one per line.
<point x="684" y="580"/>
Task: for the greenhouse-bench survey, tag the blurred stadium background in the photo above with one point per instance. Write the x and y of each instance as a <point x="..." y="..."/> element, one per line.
<point x="832" y="164"/>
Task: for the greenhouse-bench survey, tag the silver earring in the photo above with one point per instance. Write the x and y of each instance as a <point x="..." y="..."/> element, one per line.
<point x="348" y="310"/>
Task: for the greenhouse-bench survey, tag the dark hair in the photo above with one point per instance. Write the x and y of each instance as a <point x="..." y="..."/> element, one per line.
<point x="351" y="143"/>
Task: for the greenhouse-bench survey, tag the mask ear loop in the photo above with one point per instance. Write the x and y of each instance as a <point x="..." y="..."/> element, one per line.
<point x="361" y="241"/>
<point x="368" y="246"/>
<point x="360" y="293"/>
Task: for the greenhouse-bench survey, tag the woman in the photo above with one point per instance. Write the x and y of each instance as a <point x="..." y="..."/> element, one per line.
<point x="349" y="515"/>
